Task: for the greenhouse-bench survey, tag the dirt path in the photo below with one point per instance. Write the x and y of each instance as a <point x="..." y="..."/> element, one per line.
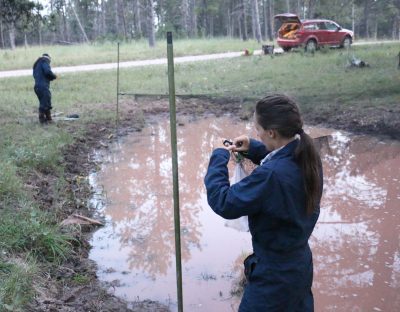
<point x="163" y="61"/>
<point x="108" y="66"/>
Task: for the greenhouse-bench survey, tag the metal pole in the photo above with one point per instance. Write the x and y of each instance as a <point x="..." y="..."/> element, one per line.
<point x="117" y="112"/>
<point x="172" y="118"/>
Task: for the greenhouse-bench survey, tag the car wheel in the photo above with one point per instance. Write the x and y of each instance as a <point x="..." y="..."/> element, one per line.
<point x="346" y="43"/>
<point x="286" y="49"/>
<point x="311" y="46"/>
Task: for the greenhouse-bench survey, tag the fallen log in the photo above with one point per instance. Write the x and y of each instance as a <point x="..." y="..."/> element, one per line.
<point x="79" y="219"/>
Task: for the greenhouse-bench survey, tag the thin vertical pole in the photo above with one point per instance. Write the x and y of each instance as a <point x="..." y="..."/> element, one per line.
<point x="172" y="118"/>
<point x="117" y="112"/>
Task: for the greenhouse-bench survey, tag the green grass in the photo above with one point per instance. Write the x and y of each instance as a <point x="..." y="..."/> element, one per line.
<point x="320" y="80"/>
<point x="25" y="230"/>
<point x="34" y="233"/>
<point x="22" y="58"/>
<point x="80" y="279"/>
<point x="323" y="74"/>
<point x="10" y="184"/>
<point x="320" y="83"/>
<point x="17" y="277"/>
<point x="30" y="234"/>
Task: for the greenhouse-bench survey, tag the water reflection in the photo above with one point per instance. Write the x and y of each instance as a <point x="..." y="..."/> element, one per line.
<point x="357" y="237"/>
<point x="355" y="243"/>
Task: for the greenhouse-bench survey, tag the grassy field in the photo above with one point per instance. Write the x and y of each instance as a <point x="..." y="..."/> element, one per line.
<point x="320" y="83"/>
<point x="22" y="58"/>
<point x="318" y="80"/>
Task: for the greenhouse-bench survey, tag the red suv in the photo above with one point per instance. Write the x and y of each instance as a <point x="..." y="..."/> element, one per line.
<point x="311" y="33"/>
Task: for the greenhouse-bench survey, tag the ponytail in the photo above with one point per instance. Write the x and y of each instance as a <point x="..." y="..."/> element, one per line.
<point x="310" y="164"/>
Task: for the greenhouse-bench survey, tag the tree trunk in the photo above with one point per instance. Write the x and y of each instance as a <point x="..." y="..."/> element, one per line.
<point x="265" y="30"/>
<point x="103" y="29"/>
<point x="396" y="27"/>
<point x="192" y="18"/>
<point x="80" y="25"/>
<point x="267" y="21"/>
<point x="138" y="19"/>
<point x="288" y="6"/>
<point x="151" y="29"/>
<point x="244" y="20"/>
<point x="353" y="17"/>
<point x="124" y="23"/>
<point x="256" y="21"/>
<point x="239" y="20"/>
<point x="185" y="16"/>
<point x="64" y="25"/>
<point x="2" y="35"/>
<point x="68" y="26"/>
<point x="117" y="29"/>
<point x="229" y="26"/>
<point x="211" y="33"/>
<point x="25" y="40"/>
<point x="54" y="28"/>
<point x="298" y="11"/>
<point x="204" y="18"/>
<point x="40" y="33"/>
<point x="366" y="19"/>
<point x="376" y="29"/>
<point x="12" y="35"/>
<point x="271" y="12"/>
<point x="311" y="4"/>
<point x="253" y="20"/>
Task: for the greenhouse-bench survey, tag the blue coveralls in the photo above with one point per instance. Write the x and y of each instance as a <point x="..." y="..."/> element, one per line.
<point x="43" y="75"/>
<point x="280" y="271"/>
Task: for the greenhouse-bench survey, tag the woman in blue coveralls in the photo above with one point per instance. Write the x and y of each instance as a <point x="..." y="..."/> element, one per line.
<point x="281" y="199"/>
<point x="43" y="75"/>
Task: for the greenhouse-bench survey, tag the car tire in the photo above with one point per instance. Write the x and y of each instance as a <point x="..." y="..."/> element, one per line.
<point x="346" y="43"/>
<point x="311" y="46"/>
<point x="286" y="49"/>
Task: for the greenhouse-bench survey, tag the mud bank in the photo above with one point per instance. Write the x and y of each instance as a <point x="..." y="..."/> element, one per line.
<point x="62" y="292"/>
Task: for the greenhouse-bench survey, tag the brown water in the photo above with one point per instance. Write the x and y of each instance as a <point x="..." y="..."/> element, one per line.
<point x="355" y="243"/>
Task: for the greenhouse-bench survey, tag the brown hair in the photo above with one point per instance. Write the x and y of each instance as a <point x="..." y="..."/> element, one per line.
<point x="282" y="114"/>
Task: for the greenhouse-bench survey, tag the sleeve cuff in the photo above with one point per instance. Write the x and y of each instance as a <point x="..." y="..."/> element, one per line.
<point x="222" y="152"/>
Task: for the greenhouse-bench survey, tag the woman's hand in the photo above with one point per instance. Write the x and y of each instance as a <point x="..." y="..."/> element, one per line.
<point x="240" y="144"/>
<point x="219" y="143"/>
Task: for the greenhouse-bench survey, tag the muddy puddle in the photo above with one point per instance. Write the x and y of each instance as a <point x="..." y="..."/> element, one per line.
<point x="355" y="243"/>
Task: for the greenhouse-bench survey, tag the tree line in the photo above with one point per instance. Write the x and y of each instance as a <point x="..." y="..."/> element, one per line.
<point x="24" y="22"/>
